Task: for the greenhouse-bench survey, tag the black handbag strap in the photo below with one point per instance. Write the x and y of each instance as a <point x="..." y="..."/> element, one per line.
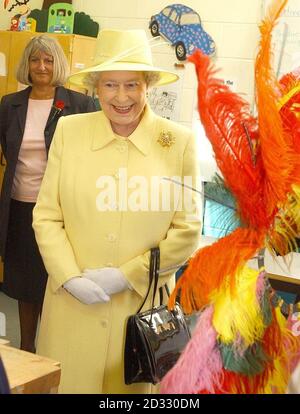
<point x="153" y="257"/>
<point x="153" y="277"/>
<point x="154" y="274"/>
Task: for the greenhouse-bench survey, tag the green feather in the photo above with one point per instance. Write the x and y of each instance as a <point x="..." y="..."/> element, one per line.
<point x="252" y="362"/>
<point x="220" y="207"/>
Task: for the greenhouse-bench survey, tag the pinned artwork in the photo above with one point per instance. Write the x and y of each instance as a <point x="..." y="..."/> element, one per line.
<point x="83" y="24"/>
<point x="163" y="102"/>
<point x="61" y="18"/>
<point x="20" y="21"/>
<point x="31" y="24"/>
<point x="14" y="23"/>
<point x="23" y="8"/>
<point x="182" y="27"/>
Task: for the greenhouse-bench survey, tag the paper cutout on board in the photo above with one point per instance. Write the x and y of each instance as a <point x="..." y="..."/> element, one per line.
<point x="2" y="64"/>
<point x="61" y="18"/>
<point x="83" y="24"/>
<point x="182" y="27"/>
<point x="20" y="21"/>
<point x="22" y="8"/>
<point x="14" y="23"/>
<point x="165" y="100"/>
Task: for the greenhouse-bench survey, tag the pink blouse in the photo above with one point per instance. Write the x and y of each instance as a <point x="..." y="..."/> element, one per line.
<point x="32" y="159"/>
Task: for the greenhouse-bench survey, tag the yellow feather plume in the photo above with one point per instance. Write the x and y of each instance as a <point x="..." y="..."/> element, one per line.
<point x="238" y="313"/>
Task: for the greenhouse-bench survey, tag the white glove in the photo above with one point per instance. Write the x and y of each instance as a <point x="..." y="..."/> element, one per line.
<point x="110" y="279"/>
<point x="86" y="290"/>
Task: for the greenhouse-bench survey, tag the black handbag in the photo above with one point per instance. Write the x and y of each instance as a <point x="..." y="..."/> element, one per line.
<point x="154" y="338"/>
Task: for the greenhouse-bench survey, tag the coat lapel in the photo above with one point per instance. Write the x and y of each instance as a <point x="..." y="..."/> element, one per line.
<point x="54" y="115"/>
<point x="20" y="102"/>
<point x="60" y="95"/>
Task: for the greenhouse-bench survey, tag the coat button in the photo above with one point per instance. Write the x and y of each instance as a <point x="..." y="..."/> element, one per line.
<point x="112" y="237"/>
<point x="104" y="323"/>
<point x="122" y="148"/>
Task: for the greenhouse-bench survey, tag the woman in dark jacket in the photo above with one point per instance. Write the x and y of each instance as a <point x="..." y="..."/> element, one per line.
<point x="27" y="124"/>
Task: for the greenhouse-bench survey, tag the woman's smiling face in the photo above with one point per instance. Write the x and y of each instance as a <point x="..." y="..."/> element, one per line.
<point x="122" y="96"/>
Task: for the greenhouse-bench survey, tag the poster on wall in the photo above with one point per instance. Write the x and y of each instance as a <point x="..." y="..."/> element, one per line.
<point x="181" y="26"/>
<point x="60" y="18"/>
<point x="20" y="21"/>
<point x="165" y="100"/>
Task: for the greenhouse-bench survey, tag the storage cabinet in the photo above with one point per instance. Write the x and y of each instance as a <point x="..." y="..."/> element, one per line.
<point x="78" y="49"/>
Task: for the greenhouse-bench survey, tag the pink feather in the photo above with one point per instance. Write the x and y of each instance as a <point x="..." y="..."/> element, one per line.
<point x="200" y="363"/>
<point x="260" y="286"/>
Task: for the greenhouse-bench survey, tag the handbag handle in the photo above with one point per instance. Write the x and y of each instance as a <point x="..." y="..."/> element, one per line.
<point x="153" y="257"/>
<point x="153" y="275"/>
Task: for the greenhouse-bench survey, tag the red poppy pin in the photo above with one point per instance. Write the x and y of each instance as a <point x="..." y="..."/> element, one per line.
<point x="57" y="107"/>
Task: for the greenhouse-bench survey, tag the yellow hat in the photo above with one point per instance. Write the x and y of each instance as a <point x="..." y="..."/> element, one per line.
<point x="127" y="50"/>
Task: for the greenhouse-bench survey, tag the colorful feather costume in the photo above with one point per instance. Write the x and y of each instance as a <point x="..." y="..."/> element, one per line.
<point x="243" y="342"/>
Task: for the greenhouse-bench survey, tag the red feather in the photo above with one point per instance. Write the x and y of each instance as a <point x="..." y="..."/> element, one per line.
<point x="228" y="125"/>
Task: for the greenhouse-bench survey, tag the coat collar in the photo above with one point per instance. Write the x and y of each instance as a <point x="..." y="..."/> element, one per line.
<point x="61" y="94"/>
<point x="21" y="98"/>
<point x="20" y="101"/>
<point x="140" y="138"/>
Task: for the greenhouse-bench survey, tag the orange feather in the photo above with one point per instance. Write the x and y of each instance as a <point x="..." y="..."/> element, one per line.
<point x="279" y="159"/>
<point x="213" y="265"/>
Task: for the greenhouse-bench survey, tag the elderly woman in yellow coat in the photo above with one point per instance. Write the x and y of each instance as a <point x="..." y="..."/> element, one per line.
<point x="110" y="193"/>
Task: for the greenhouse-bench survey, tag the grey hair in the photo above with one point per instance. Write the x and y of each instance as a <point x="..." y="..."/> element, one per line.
<point x="50" y="46"/>
<point x="91" y="79"/>
<point x="151" y="78"/>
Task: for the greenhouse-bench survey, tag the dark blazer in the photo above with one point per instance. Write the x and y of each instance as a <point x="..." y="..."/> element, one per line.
<point x="13" y="110"/>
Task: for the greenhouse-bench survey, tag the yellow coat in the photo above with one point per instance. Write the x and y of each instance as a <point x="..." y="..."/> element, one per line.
<point x="73" y="234"/>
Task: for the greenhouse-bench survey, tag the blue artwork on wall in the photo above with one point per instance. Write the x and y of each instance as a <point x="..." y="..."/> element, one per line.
<point x="182" y="27"/>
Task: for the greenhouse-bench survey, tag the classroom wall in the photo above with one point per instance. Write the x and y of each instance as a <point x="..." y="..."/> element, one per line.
<point x="233" y="24"/>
